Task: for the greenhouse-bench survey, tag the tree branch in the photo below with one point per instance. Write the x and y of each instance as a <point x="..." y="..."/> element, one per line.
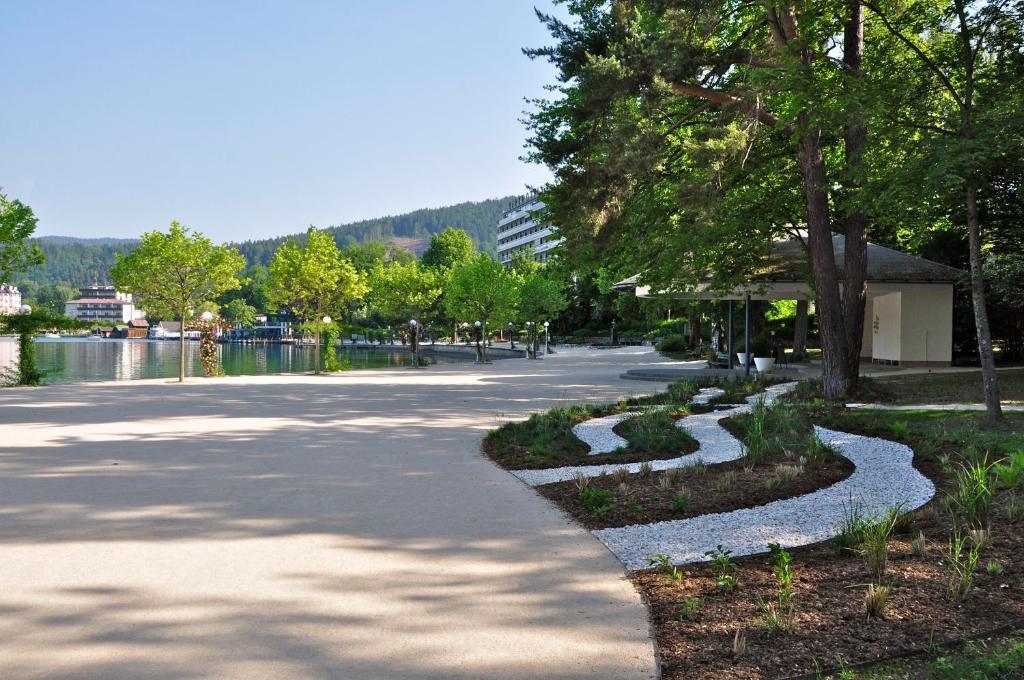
<point x="918" y="51"/>
<point x="725" y="99"/>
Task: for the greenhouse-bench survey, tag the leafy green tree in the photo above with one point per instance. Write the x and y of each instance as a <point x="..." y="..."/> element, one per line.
<point x="366" y="257"/>
<point x="313" y="279"/>
<point x="50" y="297"/>
<point x="964" y="122"/>
<point x="172" y="275"/>
<point x="17" y="224"/>
<point x="686" y="136"/>
<point x="540" y="298"/>
<point x="239" y="313"/>
<point x="26" y="326"/>
<point x="403" y="292"/>
<point x="448" y="249"/>
<point x="482" y="289"/>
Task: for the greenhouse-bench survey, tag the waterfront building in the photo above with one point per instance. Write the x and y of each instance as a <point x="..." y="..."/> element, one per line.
<point x="103" y="304"/>
<point x="519" y="229"/>
<point x="10" y="299"/>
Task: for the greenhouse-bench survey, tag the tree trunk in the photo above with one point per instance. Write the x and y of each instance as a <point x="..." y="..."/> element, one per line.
<point x="856" y="223"/>
<point x="181" y="350"/>
<point x="316" y="367"/>
<point x="988" y="365"/>
<point x="800" y="331"/>
<point x="694" y="327"/>
<point x="483" y="332"/>
<point x="835" y="365"/>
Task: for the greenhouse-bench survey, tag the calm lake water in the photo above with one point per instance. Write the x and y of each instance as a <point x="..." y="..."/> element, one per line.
<point x="69" y="360"/>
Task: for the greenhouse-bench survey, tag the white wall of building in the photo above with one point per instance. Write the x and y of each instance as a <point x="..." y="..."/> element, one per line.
<point x="913" y="326"/>
<point x="927" y="322"/>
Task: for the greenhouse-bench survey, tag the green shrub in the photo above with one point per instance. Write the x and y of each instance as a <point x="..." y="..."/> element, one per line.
<point x="598" y="501"/>
<point x="672" y="343"/>
<point x="1010" y="474"/>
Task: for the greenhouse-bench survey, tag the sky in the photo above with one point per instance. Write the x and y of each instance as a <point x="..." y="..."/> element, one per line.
<point x="259" y="118"/>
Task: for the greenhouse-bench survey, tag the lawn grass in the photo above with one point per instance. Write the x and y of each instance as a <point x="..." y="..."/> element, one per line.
<point x="968" y="431"/>
<point x="950" y="388"/>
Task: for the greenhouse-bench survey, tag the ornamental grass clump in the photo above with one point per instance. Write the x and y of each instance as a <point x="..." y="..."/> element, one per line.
<point x="961" y="561"/>
<point x="875" y="544"/>
<point x="852" y="532"/>
<point x="970" y="501"/>
<point x="778" y="614"/>
<point x="876" y="600"/>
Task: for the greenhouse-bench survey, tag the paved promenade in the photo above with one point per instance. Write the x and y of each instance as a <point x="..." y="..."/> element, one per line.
<point x="304" y="527"/>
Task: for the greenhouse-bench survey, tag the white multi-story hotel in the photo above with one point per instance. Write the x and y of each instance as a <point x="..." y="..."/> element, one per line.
<point x="517" y="229"/>
<point x="10" y="299"/>
<point x="103" y="303"/>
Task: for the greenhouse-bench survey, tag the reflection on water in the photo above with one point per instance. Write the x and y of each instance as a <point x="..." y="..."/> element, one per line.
<point x="68" y="360"/>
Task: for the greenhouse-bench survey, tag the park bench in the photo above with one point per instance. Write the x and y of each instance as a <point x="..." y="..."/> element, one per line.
<point x="721" y="360"/>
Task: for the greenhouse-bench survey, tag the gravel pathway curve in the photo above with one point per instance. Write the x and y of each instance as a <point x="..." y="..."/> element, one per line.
<point x="597" y="433"/>
<point x="884" y="477"/>
<point x="716" y="445"/>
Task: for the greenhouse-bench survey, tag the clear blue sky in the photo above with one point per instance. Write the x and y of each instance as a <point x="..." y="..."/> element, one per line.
<point x="251" y="119"/>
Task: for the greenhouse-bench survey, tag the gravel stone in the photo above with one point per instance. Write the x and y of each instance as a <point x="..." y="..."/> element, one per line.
<point x="884" y="478"/>
<point x="716" y="445"/>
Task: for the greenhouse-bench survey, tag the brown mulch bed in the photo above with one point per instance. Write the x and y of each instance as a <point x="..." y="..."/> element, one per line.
<point x="716" y="488"/>
<point x="832" y="629"/>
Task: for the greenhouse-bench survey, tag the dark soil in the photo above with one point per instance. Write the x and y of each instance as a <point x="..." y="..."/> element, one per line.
<point x="832" y="629"/>
<point x="717" y="488"/>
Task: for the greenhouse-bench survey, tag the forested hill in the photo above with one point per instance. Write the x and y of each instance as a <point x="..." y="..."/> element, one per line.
<point x="77" y="262"/>
<point x="412" y="230"/>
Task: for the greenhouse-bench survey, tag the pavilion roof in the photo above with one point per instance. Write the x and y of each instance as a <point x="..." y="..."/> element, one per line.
<point x="788" y="263"/>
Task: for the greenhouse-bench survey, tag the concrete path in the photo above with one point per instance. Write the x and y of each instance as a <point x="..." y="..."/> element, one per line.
<point x="304" y="527"/>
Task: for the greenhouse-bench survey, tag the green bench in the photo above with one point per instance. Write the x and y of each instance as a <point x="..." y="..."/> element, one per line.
<point x="721" y="360"/>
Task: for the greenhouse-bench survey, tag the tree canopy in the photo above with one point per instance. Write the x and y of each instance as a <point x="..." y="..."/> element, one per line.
<point x="448" y="249"/>
<point x="173" y="274"/>
<point x="17" y="224"/>
<point x="313" y="280"/>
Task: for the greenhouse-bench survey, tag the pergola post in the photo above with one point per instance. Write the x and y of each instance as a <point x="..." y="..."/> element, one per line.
<point x="730" y="335"/>
<point x="746" y="333"/>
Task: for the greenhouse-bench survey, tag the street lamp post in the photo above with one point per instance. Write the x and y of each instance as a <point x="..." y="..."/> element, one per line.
<point x="414" y="329"/>
<point x="511" y="335"/>
<point x="547" y="337"/>
<point x="479" y="352"/>
<point x="615" y="337"/>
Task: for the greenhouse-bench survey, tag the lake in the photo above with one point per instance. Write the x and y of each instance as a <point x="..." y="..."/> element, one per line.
<point x="70" y="360"/>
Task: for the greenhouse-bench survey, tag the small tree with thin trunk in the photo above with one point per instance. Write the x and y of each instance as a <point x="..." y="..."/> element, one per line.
<point x="482" y="290"/>
<point x="403" y="291"/>
<point x="171" y="275"/>
<point x="314" y="279"/>
<point x="540" y="298"/>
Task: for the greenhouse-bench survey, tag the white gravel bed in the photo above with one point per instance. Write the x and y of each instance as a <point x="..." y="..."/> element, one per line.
<point x="706" y="395"/>
<point x="597" y="433"/>
<point x="715" y="444"/>
<point x="884" y="477"/>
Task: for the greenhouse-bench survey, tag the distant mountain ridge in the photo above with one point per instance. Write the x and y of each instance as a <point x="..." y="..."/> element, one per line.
<point x="73" y="261"/>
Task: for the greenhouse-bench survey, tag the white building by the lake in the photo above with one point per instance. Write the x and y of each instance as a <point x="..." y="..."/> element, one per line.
<point x="106" y="304"/>
<point x="10" y="299"/>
